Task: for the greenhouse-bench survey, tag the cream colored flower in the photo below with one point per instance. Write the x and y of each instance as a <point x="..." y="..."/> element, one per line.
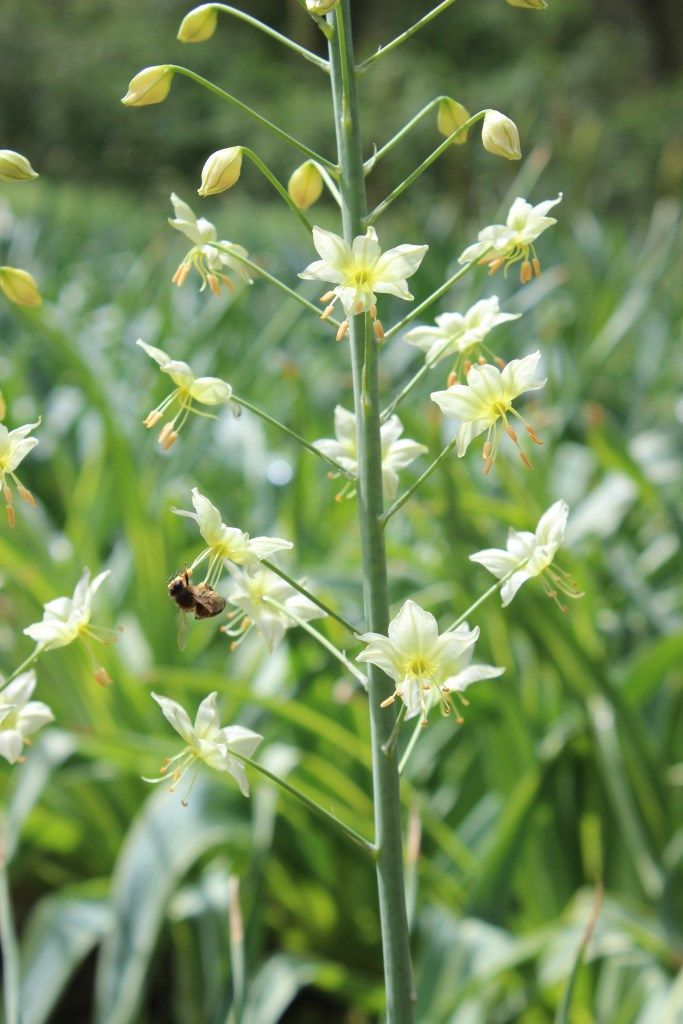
<point x="529" y="555"/>
<point x="499" y="136"/>
<point x="198" y="25"/>
<point x="15" y="446"/>
<point x="268" y="603"/>
<point x="456" y="334"/>
<point x="207" y="742"/>
<point x="504" y="244"/>
<point x="19" y="287"/>
<point x="360" y="270"/>
<point x="20" y="717"/>
<point x="305" y="185"/>
<point x="15" y="167"/>
<point x="423" y="663"/>
<point x="485" y="402"/>
<point x="151" y="85"/>
<point x="221" y="170"/>
<point x="226" y="544"/>
<point x="188" y="390"/>
<point x="207" y="260"/>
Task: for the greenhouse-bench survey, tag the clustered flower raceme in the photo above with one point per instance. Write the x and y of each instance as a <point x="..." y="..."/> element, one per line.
<point x="14" y="447"/>
<point x="209" y="256"/>
<point x="397" y="452"/>
<point x="188" y="390"/>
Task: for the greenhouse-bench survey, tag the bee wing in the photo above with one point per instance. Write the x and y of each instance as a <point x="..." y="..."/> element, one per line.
<point x="183" y="629"/>
<point x="207" y="604"/>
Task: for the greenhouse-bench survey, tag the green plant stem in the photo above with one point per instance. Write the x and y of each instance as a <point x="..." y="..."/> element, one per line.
<point x="415" y="379"/>
<point x="403" y="498"/>
<point x="309" y="596"/>
<point x="322" y="640"/>
<point x="563" y="1011"/>
<point x="336" y="466"/>
<point x="327" y="816"/>
<point x="279" y="188"/>
<point x="388" y="146"/>
<point x="414" y="175"/>
<point x="237" y="959"/>
<point x="312" y="58"/>
<point x="31" y="660"/>
<point x="263" y="121"/>
<point x="363" y="346"/>
<point x="364" y="65"/>
<point x="10" y="949"/>
<point x="273" y="280"/>
<point x="459" y="274"/>
<point x="390" y="743"/>
<point x="419" y="727"/>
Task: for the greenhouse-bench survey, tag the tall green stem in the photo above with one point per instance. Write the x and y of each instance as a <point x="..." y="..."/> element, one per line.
<point x="10" y="950"/>
<point x="388" y="838"/>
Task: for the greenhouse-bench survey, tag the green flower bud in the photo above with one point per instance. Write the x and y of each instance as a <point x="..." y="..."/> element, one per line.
<point x="534" y="5"/>
<point x="451" y="115"/>
<point x="305" y="185"/>
<point x="19" y="287"/>
<point x="499" y="136"/>
<point x="321" y="7"/>
<point x="15" y="167"/>
<point x="198" y="25"/>
<point x="151" y="85"/>
<point x="221" y="171"/>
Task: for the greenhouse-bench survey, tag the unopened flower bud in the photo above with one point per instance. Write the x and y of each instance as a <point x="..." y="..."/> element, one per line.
<point x="305" y="185"/>
<point x="19" y="287"/>
<point x="15" y="167"/>
<point x="150" y="85"/>
<point x="534" y="5"/>
<point x="321" y="7"/>
<point x="198" y="25"/>
<point x="499" y="136"/>
<point x="450" y="117"/>
<point x="221" y="171"/>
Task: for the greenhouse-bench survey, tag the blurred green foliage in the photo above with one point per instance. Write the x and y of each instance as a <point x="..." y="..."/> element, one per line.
<point x="568" y="771"/>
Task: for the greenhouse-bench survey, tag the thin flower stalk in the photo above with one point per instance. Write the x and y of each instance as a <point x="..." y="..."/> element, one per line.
<point x="399" y="40"/>
<point x="312" y="58"/>
<point x="322" y="640"/>
<point x="279" y="187"/>
<point x="403" y="498"/>
<point x="311" y="597"/>
<point x="426" y="303"/>
<point x="401" y="134"/>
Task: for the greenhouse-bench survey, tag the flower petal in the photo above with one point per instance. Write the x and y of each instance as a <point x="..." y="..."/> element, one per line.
<point x="177" y="716"/>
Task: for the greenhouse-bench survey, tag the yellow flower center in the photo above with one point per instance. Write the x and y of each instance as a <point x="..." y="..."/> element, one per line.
<point x="418" y="668"/>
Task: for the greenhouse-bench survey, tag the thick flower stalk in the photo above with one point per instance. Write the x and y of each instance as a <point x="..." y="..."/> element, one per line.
<point x="67" y="619"/>
<point x="485" y="404"/>
<point x="209" y="262"/>
<point x="14" y="447"/>
<point x="397" y="452"/>
<point x="529" y="555"/>
<point x="188" y="390"/>
<point x="20" y="717"/>
<point x="359" y="271"/>
<point x="513" y="242"/>
<point x="226" y="544"/>
<point x="207" y="742"/>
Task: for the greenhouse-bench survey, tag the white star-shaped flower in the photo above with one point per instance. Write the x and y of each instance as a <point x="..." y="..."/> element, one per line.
<point x="66" y="619"/>
<point x="397" y="452"/>
<point x="360" y="271"/>
<point x="426" y="666"/>
<point x="225" y="544"/>
<point x="188" y="389"/>
<point x="20" y="717"/>
<point x="513" y="241"/>
<point x="15" y="446"/>
<point x="456" y="334"/>
<point x="531" y="554"/>
<point x="254" y="595"/>
<point x="486" y="401"/>
<point x="207" y="742"/>
<point x="208" y="261"/>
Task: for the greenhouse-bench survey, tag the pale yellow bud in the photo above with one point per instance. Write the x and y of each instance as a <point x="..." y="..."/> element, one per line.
<point x="305" y="185"/>
<point x="534" y="5"/>
<point x="15" y="167"/>
<point x="221" y="171"/>
<point x="500" y="136"/>
<point x="321" y="7"/>
<point x="450" y="117"/>
<point x="19" y="287"/>
<point x="198" y="25"/>
<point x="151" y="85"/>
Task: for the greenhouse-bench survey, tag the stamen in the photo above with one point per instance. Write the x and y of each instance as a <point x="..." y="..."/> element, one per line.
<point x="500" y="363"/>
<point x="452" y="378"/>
<point x="537" y="266"/>
<point x="327" y="312"/>
<point x="467" y="366"/>
<point x="481" y="361"/>
<point x="326" y="297"/>
<point x="525" y="272"/>
<point x="26" y="495"/>
<point x="343" y="330"/>
<point x="532" y="434"/>
<point x="102" y="677"/>
<point x="7" y="494"/>
<point x="180" y="275"/>
<point x="526" y="460"/>
<point x="213" y="283"/>
<point x="495" y="265"/>
<point x="389" y="701"/>
<point x="169" y="440"/>
<point x="511" y="433"/>
<point x="152" y="418"/>
<point x="378" y="329"/>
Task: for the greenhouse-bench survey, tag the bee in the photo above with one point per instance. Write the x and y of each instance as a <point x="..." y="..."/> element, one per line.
<point x="202" y="600"/>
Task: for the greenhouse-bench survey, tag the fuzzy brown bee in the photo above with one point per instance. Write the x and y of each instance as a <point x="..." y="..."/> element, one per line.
<point x="201" y="599"/>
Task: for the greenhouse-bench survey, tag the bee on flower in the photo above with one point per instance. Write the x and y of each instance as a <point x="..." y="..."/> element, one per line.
<point x="528" y="555"/>
<point x="485" y="404"/>
<point x="513" y="242"/>
<point x="226" y="544"/>
<point x="188" y="390"/>
<point x="67" y="619"/>
<point x="20" y="717"/>
<point x="359" y="271"/>
<point x="209" y="261"/>
<point x="14" y="447"/>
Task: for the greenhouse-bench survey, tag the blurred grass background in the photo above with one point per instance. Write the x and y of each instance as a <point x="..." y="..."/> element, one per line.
<point x="569" y="769"/>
